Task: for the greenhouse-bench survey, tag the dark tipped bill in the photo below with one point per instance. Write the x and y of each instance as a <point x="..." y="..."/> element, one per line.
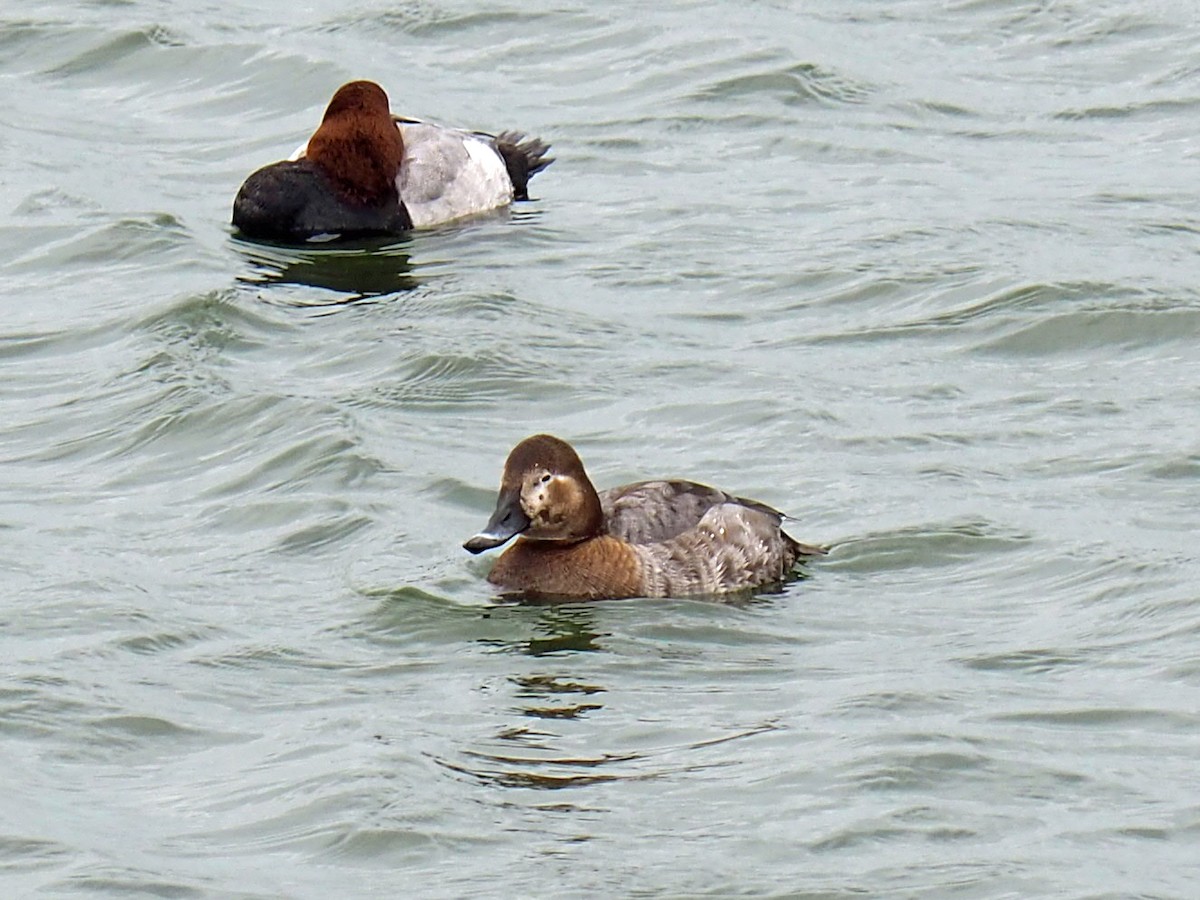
<point x="506" y="522"/>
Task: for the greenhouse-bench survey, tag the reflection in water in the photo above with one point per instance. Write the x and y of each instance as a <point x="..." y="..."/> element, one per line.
<point x="551" y="687"/>
<point x="545" y="774"/>
<point x="561" y="629"/>
<point x="527" y="755"/>
<point x="553" y="728"/>
<point x="361" y="268"/>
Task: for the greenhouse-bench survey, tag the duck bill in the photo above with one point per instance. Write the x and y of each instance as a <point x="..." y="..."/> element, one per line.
<point x="506" y="523"/>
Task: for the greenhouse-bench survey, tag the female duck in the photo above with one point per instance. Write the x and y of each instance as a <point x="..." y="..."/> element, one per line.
<point x="649" y="539"/>
<point x="365" y="172"/>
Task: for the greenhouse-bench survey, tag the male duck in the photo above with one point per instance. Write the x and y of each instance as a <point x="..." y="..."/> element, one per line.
<point x="649" y="539"/>
<point x="365" y="172"/>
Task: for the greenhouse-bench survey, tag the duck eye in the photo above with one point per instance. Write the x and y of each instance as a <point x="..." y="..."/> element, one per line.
<point x="546" y="478"/>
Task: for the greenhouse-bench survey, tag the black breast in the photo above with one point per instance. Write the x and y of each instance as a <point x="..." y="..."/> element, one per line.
<point x="295" y="201"/>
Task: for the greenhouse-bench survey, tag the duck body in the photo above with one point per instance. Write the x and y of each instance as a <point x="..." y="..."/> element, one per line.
<point x="365" y="172"/>
<point x="651" y="539"/>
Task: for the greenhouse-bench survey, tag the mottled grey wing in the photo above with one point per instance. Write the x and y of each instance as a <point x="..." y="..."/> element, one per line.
<point x="733" y="547"/>
<point x="652" y="511"/>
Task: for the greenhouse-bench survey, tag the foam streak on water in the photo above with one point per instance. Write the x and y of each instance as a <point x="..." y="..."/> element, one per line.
<point x="922" y="274"/>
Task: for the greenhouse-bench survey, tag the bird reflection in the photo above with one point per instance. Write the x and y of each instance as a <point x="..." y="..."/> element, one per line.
<point x="553" y="696"/>
<point x="360" y="269"/>
<point x="559" y="629"/>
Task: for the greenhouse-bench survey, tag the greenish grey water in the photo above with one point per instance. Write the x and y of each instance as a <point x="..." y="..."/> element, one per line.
<point x="923" y="274"/>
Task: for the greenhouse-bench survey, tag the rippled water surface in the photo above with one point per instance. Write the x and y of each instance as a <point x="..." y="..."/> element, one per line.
<point x="924" y="274"/>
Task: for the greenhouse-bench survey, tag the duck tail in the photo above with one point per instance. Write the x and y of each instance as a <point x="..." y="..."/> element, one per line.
<point x="803" y="550"/>
<point x="523" y="157"/>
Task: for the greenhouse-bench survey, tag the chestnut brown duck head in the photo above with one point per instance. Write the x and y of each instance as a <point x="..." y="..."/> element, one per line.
<point x="545" y="495"/>
<point x="358" y="145"/>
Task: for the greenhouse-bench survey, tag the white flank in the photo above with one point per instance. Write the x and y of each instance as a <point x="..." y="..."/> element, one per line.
<point x="448" y="174"/>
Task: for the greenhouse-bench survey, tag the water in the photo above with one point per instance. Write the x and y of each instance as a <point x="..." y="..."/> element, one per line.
<point x="923" y="274"/>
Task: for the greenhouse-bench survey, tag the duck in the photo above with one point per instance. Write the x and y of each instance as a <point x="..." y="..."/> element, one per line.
<point x="365" y="172"/>
<point x="647" y="539"/>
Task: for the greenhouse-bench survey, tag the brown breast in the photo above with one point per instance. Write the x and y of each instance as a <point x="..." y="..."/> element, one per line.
<point x="598" y="568"/>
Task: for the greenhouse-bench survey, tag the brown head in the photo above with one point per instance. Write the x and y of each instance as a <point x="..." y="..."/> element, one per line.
<point x="358" y="145"/>
<point x="545" y="495"/>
